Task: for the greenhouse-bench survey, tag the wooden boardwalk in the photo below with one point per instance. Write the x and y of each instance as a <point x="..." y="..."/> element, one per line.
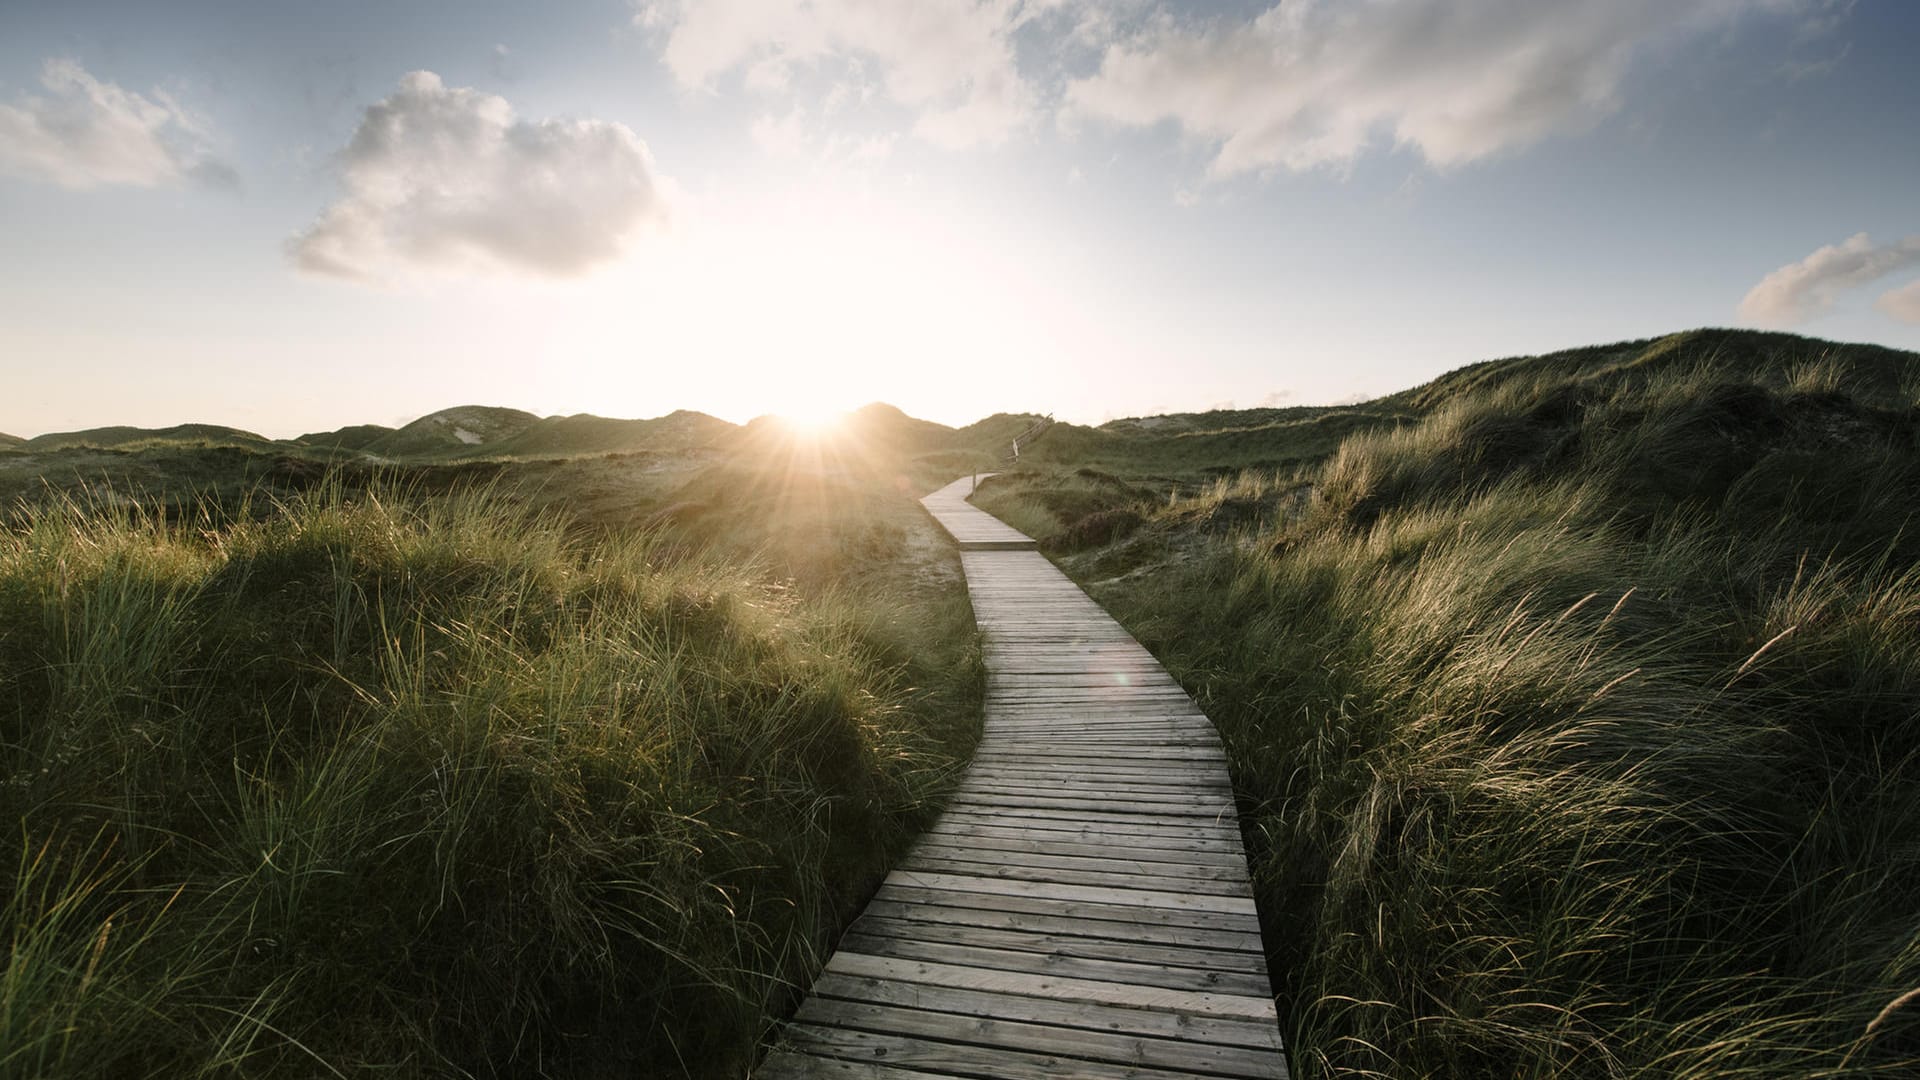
<point x="1082" y="908"/>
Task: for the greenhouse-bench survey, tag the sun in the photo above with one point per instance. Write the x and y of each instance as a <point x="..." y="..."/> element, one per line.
<point x="812" y="419"/>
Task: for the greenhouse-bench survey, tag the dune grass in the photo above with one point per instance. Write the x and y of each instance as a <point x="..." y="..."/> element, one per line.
<point x="1576" y="727"/>
<point x="376" y="782"/>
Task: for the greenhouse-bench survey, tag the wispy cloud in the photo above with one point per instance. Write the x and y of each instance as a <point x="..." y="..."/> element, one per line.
<point x="950" y="63"/>
<point x="1313" y="84"/>
<point x="446" y="178"/>
<point x="86" y="133"/>
<point x="1802" y="290"/>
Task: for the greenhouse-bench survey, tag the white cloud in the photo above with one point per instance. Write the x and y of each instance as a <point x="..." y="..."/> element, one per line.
<point x="950" y="62"/>
<point x="1801" y="290"/>
<point x="1902" y="303"/>
<point x="799" y="135"/>
<point x="87" y="133"/>
<point x="781" y="137"/>
<point x="445" y="178"/>
<point x="1312" y="83"/>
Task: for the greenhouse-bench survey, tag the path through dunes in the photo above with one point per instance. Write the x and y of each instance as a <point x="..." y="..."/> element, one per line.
<point x="1082" y="908"/>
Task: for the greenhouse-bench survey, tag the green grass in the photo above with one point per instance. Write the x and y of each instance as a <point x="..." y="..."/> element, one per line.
<point x="1576" y="726"/>
<point x="434" y="786"/>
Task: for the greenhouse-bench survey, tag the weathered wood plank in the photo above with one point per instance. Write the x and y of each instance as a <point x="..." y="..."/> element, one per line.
<point x="792" y="1065"/>
<point x="1080" y="857"/>
<point x="1029" y="843"/>
<point x="1196" y="837"/>
<point x="1183" y="955"/>
<point x="1165" y="1025"/>
<point x="1237" y="984"/>
<point x="960" y="1059"/>
<point x="1056" y="987"/>
<point x="1040" y="905"/>
<point x="1074" y="925"/>
<point x="923" y="862"/>
<point x="1079" y="1044"/>
<point x="1094" y="894"/>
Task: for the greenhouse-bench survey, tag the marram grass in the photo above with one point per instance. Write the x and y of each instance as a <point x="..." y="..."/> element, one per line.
<point x="392" y="786"/>
<point x="1576" y="727"/>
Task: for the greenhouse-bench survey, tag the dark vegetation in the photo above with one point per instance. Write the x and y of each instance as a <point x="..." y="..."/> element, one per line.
<point x="1576" y="722"/>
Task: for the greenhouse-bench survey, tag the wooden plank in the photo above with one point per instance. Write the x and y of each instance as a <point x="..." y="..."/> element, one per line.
<point x="1081" y="830"/>
<point x="1185" y="777"/>
<point x="1026" y="903"/>
<point x="1072" y="925"/>
<point x="1235" y="983"/>
<point x="1078" y="1044"/>
<point x="1190" y="775"/>
<point x="1092" y="894"/>
<point x="1166" y="1025"/>
<point x="1216" y="804"/>
<point x="1085" y="948"/>
<point x="924" y="863"/>
<point x="1134" y="794"/>
<point x="959" y="1059"/>
<point x="1056" y="987"/>
<point x="1052" y="846"/>
<point x="1081" y="857"/>
<point x="1220" y="826"/>
<point x="798" y="1065"/>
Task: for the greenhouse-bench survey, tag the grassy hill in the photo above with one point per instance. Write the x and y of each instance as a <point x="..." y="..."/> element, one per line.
<point x="449" y="432"/>
<point x="1574" y="707"/>
<point x="1872" y="371"/>
<point x="133" y="438"/>
<point x="558" y="436"/>
<point x="353" y="437"/>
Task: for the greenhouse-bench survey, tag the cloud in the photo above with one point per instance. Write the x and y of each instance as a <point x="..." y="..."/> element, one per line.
<point x="1902" y="303"/>
<point x="445" y="178"/>
<point x="950" y="62"/>
<point x="501" y="64"/>
<point x="1801" y="290"/>
<point x="785" y="136"/>
<point x="1313" y="83"/>
<point x="87" y="134"/>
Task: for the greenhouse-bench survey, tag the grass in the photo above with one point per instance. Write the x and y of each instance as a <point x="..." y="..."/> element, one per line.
<point x="370" y="781"/>
<point x="1576" y="726"/>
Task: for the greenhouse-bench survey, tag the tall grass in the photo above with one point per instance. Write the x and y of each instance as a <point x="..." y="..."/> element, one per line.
<point x="432" y="787"/>
<point x="1578" y="729"/>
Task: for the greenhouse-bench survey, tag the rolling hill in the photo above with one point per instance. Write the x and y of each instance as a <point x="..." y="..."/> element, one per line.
<point x="116" y="438"/>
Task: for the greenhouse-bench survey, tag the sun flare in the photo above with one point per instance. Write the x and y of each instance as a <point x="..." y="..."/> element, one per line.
<point x="812" y="421"/>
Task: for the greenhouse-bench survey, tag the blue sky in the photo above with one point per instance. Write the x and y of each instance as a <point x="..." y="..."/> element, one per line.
<point x="293" y="217"/>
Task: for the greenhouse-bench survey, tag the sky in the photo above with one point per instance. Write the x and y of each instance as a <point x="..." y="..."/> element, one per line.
<point x="293" y="217"/>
